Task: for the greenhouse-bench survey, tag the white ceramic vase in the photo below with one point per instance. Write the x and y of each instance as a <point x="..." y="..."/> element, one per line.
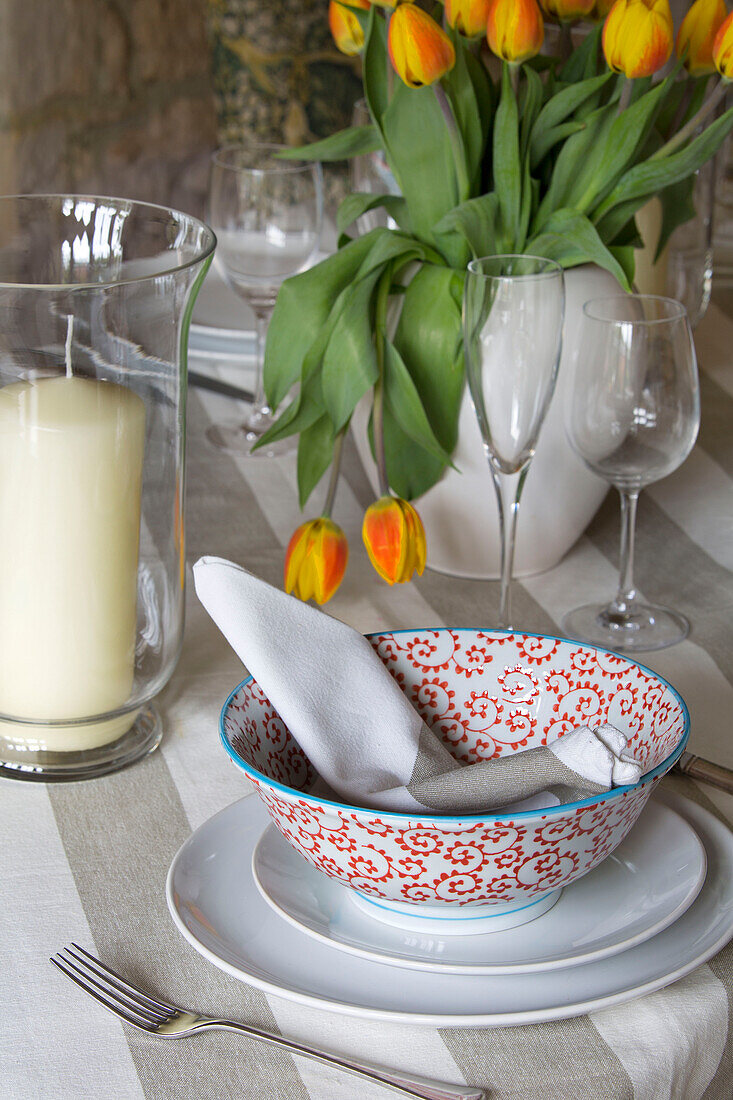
<point x="560" y="496"/>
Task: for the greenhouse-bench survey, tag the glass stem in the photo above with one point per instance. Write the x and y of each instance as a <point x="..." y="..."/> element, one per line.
<point x="508" y="491"/>
<point x="260" y="408"/>
<point x="626" y="595"/>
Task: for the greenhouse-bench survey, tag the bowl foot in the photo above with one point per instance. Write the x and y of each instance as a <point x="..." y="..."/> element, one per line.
<point x="444" y="920"/>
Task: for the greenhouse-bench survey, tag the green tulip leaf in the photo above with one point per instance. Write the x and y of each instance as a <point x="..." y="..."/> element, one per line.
<point x="541" y="144"/>
<point x="304" y="304"/>
<point x="678" y="207"/>
<point x="576" y="151"/>
<point x="420" y="154"/>
<point x="375" y="65"/>
<point x="411" y="470"/>
<point x="403" y="401"/>
<point x="562" y="106"/>
<point x="583" y="62"/>
<point x="478" y="222"/>
<point x="531" y="105"/>
<point x="459" y="86"/>
<point x="626" y="259"/>
<point x="428" y="338"/>
<point x="349" y="361"/>
<point x="307" y="405"/>
<point x="654" y="175"/>
<point x="483" y="90"/>
<point x="506" y="164"/>
<point x="571" y="239"/>
<point x="617" y="148"/>
<point x="361" y="202"/>
<point x="315" y="454"/>
<point x="354" y="141"/>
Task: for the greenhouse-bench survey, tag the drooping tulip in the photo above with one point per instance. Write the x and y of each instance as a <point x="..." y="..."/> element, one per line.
<point x="638" y="36"/>
<point x="697" y="33"/>
<point x="567" y="11"/>
<point x="467" y="16"/>
<point x="315" y="560"/>
<point x="345" y="27"/>
<point x="394" y="538"/>
<point x="723" y="49"/>
<point x="420" y="51"/>
<point x="515" y="30"/>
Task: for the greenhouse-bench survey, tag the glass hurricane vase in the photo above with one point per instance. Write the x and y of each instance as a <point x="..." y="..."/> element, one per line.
<point x="95" y="303"/>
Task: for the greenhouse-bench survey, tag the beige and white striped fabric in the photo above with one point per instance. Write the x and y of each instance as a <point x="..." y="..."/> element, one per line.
<point x="88" y="861"/>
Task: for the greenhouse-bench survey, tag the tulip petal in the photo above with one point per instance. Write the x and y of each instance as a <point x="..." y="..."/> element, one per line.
<point x="395" y="539"/>
<point x="638" y="37"/>
<point x="515" y="30"/>
<point x="420" y="51"/>
<point x="315" y="560"/>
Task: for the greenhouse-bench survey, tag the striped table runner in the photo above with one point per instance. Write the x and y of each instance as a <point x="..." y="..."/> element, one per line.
<point x="88" y="861"/>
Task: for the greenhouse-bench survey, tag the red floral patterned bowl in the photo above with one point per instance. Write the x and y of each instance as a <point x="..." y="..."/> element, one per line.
<point x="487" y="693"/>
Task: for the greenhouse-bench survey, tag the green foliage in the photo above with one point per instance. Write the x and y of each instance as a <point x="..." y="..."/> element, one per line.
<point x="548" y="163"/>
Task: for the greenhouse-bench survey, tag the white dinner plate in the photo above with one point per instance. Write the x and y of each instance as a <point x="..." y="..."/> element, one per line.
<point x="216" y="906"/>
<point x="644" y="886"/>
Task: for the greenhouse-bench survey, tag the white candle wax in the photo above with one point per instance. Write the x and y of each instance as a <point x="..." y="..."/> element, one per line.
<point x="71" y="456"/>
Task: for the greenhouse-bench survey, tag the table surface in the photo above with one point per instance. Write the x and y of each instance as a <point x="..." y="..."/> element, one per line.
<point x="88" y="861"/>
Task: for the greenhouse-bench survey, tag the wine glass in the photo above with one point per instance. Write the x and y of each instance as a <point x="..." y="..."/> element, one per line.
<point x="267" y="215"/>
<point x="633" y="416"/>
<point x="513" y="309"/>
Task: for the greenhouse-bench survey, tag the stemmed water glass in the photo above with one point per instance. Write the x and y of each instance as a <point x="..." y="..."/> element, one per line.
<point x="267" y="215"/>
<point x="633" y="416"/>
<point x="513" y="309"/>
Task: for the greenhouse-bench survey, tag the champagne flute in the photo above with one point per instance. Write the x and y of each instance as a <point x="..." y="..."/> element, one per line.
<point x="267" y="215"/>
<point x="513" y="309"/>
<point x="633" y="417"/>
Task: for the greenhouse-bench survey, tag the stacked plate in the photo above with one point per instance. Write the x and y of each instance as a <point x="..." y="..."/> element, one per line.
<point x="655" y="909"/>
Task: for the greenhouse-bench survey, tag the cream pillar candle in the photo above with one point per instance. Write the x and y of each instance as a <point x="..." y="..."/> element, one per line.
<point x="71" y="456"/>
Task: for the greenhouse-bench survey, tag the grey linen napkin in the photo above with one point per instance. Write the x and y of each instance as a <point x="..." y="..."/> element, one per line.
<point x="361" y="733"/>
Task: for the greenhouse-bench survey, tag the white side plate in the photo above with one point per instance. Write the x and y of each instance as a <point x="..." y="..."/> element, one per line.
<point x="644" y="886"/>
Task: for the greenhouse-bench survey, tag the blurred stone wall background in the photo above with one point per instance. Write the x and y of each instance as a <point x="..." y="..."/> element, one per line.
<point x="129" y="97"/>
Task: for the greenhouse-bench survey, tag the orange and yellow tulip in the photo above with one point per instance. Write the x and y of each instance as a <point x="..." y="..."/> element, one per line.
<point x="394" y="538"/>
<point x="420" y="51"/>
<point x="567" y="11"/>
<point x="723" y="49"/>
<point x="345" y="27"/>
<point x="467" y="16"/>
<point x="315" y="560"/>
<point x="697" y="33"/>
<point x="638" y="36"/>
<point x="514" y="29"/>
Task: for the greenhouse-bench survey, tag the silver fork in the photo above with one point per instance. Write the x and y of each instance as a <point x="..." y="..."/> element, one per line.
<point x="168" y="1021"/>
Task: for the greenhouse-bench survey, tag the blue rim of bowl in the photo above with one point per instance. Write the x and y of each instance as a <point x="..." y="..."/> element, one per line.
<point x="592" y="800"/>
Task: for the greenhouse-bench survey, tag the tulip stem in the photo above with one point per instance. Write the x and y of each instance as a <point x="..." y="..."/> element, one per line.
<point x="459" y="156"/>
<point x="514" y="77"/>
<point x="338" y="448"/>
<point x="689" y="128"/>
<point x="682" y="110"/>
<point x="380" y="335"/>
<point x="565" y="41"/>
<point x="625" y="98"/>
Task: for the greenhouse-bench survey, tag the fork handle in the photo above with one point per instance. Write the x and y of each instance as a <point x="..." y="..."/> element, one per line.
<point x="405" y="1083"/>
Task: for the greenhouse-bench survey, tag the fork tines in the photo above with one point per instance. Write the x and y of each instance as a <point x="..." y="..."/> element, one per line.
<point x="111" y="990"/>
